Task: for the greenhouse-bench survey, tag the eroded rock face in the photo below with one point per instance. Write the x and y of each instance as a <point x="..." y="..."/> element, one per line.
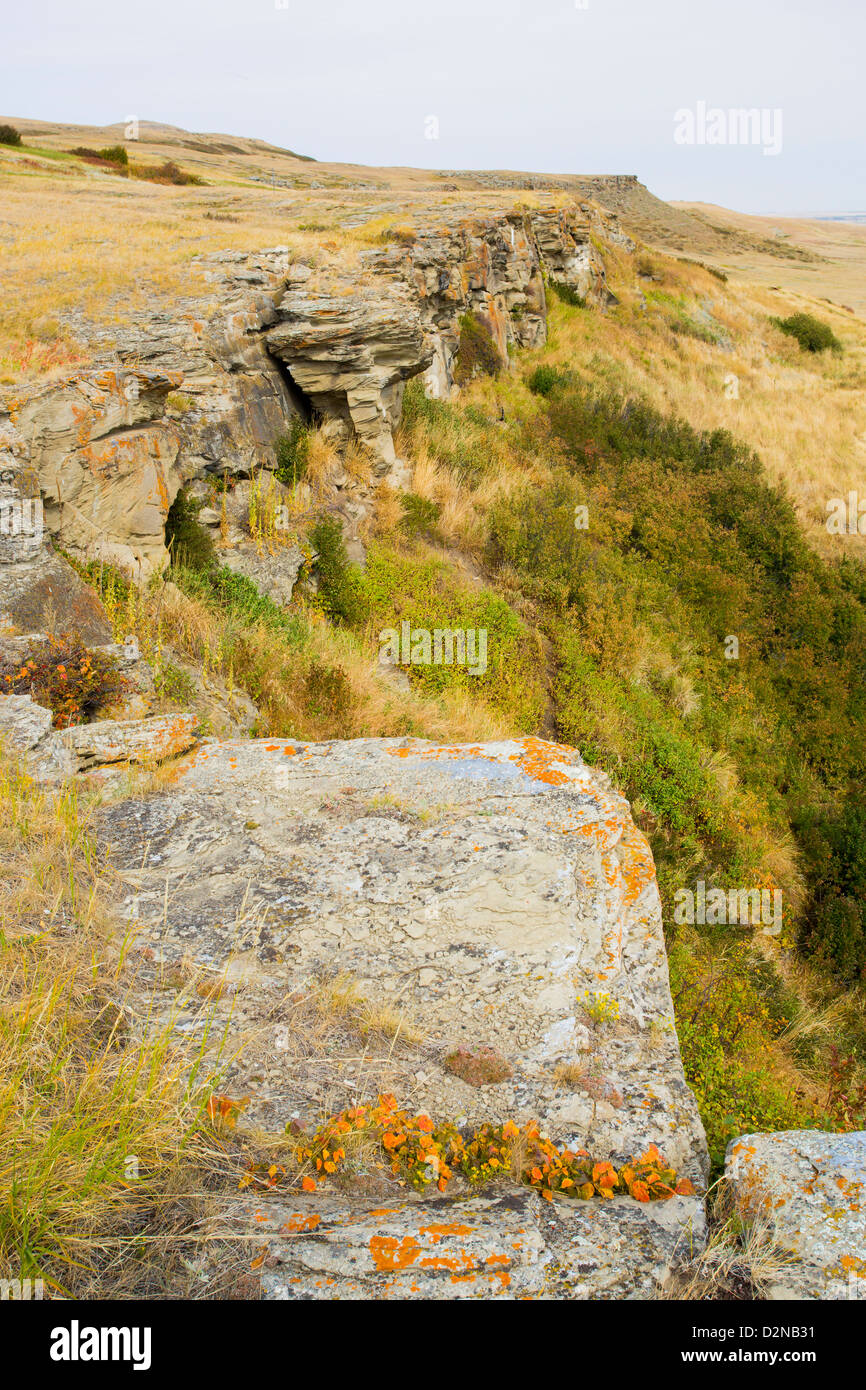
<point x="351" y="354"/>
<point x="812" y="1187"/>
<point x="105" y="460"/>
<point x="56" y="754"/>
<point x="500" y="896"/>
<point x="207" y="387"/>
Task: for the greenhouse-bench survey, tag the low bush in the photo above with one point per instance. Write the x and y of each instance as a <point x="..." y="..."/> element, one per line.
<point x="169" y="172"/>
<point x="66" y="677"/>
<point x="9" y="135"/>
<point x="545" y="379"/>
<point x="99" y="159"/>
<point x="339" y="581"/>
<point x="239" y="598"/>
<point x="567" y="294"/>
<point x="727" y="1009"/>
<point x="328" y="693"/>
<point x="834" y="925"/>
<point x="812" y="334"/>
<point x="189" y="544"/>
<point x="424" y="591"/>
<point x="486" y="1067"/>
<point x="420" y="515"/>
<point x="291" y="453"/>
<point x="173" y="683"/>
<point x="477" y="353"/>
<point x="115" y="154"/>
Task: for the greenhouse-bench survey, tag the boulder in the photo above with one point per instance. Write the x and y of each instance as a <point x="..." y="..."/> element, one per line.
<point x="498" y="896"/>
<point x="128" y="740"/>
<point x="22" y="723"/>
<point x="812" y="1187"/>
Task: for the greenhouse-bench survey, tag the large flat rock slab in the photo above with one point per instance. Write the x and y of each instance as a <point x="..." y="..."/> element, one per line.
<point x="813" y="1187"/>
<point x="504" y="1243"/>
<point x="499" y="894"/>
<point x="495" y="896"/>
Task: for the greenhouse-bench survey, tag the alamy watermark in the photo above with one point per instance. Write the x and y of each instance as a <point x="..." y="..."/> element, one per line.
<point x="21" y="516"/>
<point x="739" y="125"/>
<point x="732" y="907"/>
<point x="77" y="1343"/>
<point x="16" y="1290"/>
<point x="443" y="647"/>
<point x="846" y="516"/>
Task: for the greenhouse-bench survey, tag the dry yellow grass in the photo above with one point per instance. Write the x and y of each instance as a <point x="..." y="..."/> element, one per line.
<point x="98" y="1111"/>
<point x="367" y="704"/>
<point x="742" y="1255"/>
<point x="805" y="414"/>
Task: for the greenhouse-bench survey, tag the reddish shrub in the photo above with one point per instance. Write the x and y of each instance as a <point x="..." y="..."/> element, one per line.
<point x="67" y="677"/>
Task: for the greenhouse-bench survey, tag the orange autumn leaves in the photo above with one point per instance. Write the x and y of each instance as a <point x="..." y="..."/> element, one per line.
<point x="425" y="1154"/>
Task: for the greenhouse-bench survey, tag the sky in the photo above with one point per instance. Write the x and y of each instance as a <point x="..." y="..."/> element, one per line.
<point x="557" y="86"/>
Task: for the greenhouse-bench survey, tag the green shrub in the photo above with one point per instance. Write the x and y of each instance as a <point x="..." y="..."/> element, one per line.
<point x="418" y="407"/>
<point x="291" y="452"/>
<point x="108" y="581"/>
<point x="812" y="334"/>
<point x="477" y="353"/>
<point x="567" y="294"/>
<point x="545" y="379"/>
<point x="241" y="600"/>
<point x="189" y="544"/>
<point x="725" y="1010"/>
<point x="173" y="683"/>
<point x="99" y="161"/>
<point x="115" y="154"/>
<point x="340" y="590"/>
<point x="9" y="135"/>
<point x="420" y="514"/>
<point x="533" y="531"/>
<point x="426" y="592"/>
<point x="688" y="543"/>
<point x="834" y="927"/>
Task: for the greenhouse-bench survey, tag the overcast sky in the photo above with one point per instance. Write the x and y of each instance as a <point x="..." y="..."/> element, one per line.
<point x="524" y="84"/>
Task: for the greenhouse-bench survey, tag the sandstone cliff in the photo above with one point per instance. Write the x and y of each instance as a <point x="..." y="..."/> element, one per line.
<point x="206" y="389"/>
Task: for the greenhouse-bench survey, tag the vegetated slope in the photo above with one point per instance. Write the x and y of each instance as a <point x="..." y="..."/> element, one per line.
<point x="744" y="772"/>
<point x="743" y="762"/>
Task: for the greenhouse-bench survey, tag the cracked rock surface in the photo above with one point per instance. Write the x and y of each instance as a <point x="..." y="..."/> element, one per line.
<point x="811" y="1186"/>
<point x="495" y="895"/>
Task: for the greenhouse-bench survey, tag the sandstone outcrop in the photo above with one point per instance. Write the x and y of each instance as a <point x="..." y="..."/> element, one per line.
<point x="23" y="724"/>
<point x="207" y="388"/>
<point x="811" y="1188"/>
<point x="104" y="458"/>
<point x="55" y="754"/>
<point x="351" y="355"/>
<point x="496" y="895"/>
